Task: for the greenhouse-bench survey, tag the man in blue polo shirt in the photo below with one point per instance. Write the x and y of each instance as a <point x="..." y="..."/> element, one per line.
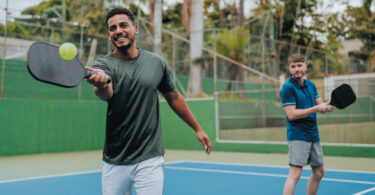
<point x="301" y="101"/>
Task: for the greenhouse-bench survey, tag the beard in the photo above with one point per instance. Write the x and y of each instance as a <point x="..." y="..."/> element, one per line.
<point x="299" y="77"/>
<point x="124" y="49"/>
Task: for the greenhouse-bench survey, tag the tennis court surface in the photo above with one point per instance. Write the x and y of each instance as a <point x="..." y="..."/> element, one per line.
<point x="192" y="177"/>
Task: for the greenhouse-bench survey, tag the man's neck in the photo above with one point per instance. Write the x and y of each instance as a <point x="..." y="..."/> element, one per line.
<point x="130" y="53"/>
<point x="300" y="81"/>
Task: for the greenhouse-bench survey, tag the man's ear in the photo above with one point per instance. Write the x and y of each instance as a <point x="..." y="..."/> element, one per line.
<point x="135" y="29"/>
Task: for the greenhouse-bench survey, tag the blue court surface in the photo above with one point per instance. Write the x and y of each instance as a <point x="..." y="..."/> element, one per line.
<point x="189" y="178"/>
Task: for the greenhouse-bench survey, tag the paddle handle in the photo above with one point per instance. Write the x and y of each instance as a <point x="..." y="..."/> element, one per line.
<point x="90" y="73"/>
<point x="332" y="103"/>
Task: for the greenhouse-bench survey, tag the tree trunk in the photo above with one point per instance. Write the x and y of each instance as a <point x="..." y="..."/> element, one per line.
<point x="242" y="16"/>
<point x="293" y="40"/>
<point x="151" y="4"/>
<point x="196" y="44"/>
<point x="158" y="26"/>
<point x="242" y="71"/>
<point x="186" y="14"/>
<point x="232" y="70"/>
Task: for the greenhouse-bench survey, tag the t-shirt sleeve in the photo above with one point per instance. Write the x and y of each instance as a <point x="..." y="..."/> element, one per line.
<point x="166" y="83"/>
<point x="287" y="96"/>
<point x="100" y="64"/>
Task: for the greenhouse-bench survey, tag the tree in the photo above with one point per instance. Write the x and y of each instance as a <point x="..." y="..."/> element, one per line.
<point x="16" y="30"/>
<point x="290" y="18"/>
<point x="232" y="44"/>
<point x="193" y="16"/>
<point x="362" y="25"/>
<point x="158" y="25"/>
<point x="2" y="28"/>
<point x="172" y="16"/>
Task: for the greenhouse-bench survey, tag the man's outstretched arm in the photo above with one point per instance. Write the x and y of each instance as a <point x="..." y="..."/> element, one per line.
<point x="99" y="80"/>
<point x="179" y="106"/>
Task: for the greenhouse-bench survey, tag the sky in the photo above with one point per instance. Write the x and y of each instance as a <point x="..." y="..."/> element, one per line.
<point x="16" y="6"/>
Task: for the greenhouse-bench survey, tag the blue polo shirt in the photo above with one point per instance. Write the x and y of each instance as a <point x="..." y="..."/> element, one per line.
<point x="292" y="93"/>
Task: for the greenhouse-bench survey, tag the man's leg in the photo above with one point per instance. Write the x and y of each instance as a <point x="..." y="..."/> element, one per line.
<point x="117" y="179"/>
<point x="299" y="152"/>
<point x="316" y="161"/>
<point x="291" y="182"/>
<point x="149" y="176"/>
<point x="314" y="181"/>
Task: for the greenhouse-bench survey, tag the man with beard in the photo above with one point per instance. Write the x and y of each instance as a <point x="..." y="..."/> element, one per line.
<point x="128" y="79"/>
<point x="301" y="101"/>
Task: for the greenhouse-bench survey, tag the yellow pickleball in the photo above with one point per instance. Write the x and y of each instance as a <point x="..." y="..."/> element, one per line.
<point x="68" y="51"/>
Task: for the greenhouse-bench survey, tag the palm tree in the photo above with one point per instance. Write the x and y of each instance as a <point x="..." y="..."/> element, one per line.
<point x="233" y="44"/>
<point x="158" y="24"/>
<point x="193" y="22"/>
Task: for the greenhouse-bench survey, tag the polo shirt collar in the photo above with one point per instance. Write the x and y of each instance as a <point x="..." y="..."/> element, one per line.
<point x="296" y="82"/>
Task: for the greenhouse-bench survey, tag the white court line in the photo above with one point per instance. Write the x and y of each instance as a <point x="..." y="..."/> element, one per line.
<point x="205" y="170"/>
<point x="175" y="162"/>
<point x="273" y="166"/>
<point x="50" y="176"/>
<point x="67" y="174"/>
<point x="365" y="191"/>
<point x="266" y="174"/>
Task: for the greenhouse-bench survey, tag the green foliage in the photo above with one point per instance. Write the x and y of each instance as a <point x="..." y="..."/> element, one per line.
<point x="362" y="26"/>
<point x="1" y="29"/>
<point x="232" y="43"/>
<point x="337" y="64"/>
<point x="317" y="65"/>
<point x="38" y="9"/>
<point x="172" y="17"/>
<point x="16" y="30"/>
<point x="96" y="19"/>
<point x="221" y="17"/>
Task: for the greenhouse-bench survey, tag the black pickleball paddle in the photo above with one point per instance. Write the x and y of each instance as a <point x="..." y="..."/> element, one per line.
<point x="342" y="96"/>
<point x="45" y="64"/>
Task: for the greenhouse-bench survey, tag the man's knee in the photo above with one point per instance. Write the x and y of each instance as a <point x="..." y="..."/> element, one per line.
<point x="295" y="173"/>
<point x="318" y="172"/>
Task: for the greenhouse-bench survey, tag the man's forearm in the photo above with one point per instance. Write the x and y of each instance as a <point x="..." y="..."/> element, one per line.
<point x="179" y="106"/>
<point x="105" y="93"/>
<point x="302" y="113"/>
<point x="294" y="114"/>
<point x="182" y="110"/>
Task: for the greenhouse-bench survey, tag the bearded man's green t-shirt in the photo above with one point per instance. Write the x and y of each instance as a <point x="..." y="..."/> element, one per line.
<point x="133" y="129"/>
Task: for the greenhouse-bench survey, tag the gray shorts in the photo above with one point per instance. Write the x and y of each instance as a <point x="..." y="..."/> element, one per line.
<point x="302" y="153"/>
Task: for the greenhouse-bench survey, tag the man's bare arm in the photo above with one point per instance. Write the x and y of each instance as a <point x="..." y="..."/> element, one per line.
<point x="293" y="113"/>
<point x="99" y="80"/>
<point x="179" y="106"/>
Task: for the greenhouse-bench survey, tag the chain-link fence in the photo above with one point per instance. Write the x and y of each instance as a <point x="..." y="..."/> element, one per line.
<point x="242" y="68"/>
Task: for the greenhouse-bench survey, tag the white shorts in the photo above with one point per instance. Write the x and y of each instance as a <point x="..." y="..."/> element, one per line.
<point x="147" y="177"/>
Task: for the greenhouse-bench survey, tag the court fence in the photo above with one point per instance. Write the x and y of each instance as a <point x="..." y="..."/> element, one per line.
<point x="244" y="84"/>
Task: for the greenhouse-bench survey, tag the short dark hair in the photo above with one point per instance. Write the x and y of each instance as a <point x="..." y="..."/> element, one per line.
<point x="119" y="10"/>
<point x="296" y="58"/>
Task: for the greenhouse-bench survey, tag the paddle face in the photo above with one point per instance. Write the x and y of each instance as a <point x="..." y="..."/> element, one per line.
<point x="342" y="96"/>
<point x="45" y="64"/>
